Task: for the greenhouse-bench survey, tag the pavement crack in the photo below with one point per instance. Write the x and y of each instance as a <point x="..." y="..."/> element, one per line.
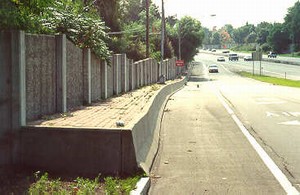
<point x="229" y="102"/>
<point x="270" y="148"/>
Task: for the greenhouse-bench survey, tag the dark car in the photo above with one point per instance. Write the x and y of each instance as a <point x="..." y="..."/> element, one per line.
<point x="272" y="54"/>
<point x="233" y="57"/>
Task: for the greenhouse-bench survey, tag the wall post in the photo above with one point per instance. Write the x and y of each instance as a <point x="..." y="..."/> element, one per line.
<point x="87" y="78"/>
<point x="61" y="60"/>
<point x="124" y="73"/>
<point x="104" y="80"/>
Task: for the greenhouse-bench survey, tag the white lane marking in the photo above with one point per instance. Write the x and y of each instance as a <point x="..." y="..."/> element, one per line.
<point x="286" y="113"/>
<point x="265" y="101"/>
<point x="226" y="69"/>
<point x="295" y="114"/>
<point x="269" y="114"/>
<point x="273" y="72"/>
<point x="290" y="123"/>
<point x="281" y="178"/>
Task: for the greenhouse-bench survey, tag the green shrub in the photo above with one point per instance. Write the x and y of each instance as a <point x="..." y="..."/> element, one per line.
<point x="297" y="53"/>
<point x="244" y="47"/>
<point x="265" y="47"/>
<point x="81" y="24"/>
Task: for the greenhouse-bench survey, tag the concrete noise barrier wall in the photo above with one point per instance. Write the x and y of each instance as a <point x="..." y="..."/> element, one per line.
<point x="88" y="152"/>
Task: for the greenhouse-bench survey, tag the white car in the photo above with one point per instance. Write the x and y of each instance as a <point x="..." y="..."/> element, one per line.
<point x="213" y="68"/>
<point x="248" y="58"/>
<point x="221" y="59"/>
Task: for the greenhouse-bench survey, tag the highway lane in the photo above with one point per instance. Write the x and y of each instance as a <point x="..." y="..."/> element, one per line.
<point x="294" y="60"/>
<point x="270" y="113"/>
<point x="202" y="150"/>
<point x="268" y="68"/>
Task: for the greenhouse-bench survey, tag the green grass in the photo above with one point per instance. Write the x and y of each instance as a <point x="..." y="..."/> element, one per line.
<point x="272" y="80"/>
<point x="296" y="55"/>
<point x="109" y="185"/>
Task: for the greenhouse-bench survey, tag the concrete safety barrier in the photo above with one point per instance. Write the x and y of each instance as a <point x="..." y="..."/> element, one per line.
<point x="88" y="151"/>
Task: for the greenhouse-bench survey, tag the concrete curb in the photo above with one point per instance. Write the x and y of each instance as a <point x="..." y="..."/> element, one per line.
<point x="144" y="183"/>
<point x="145" y="131"/>
<point x="142" y="187"/>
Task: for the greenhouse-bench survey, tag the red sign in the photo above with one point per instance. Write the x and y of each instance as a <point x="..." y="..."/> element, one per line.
<point x="179" y="63"/>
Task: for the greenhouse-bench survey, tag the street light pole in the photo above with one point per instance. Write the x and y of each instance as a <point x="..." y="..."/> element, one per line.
<point x="162" y="32"/>
<point x="293" y="44"/>
<point x="179" y="41"/>
<point x="147" y="28"/>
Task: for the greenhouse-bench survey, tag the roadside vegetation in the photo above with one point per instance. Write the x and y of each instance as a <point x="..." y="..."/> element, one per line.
<point x="105" y="26"/>
<point x="282" y="38"/>
<point x="272" y="80"/>
<point x="43" y="183"/>
<point x="294" y="55"/>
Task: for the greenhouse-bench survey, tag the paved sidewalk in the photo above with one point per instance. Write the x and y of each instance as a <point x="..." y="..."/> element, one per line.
<point x="104" y="114"/>
<point x="202" y="150"/>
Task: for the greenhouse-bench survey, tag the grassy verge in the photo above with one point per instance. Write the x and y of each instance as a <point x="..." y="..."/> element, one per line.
<point x="42" y="183"/>
<point x="272" y="80"/>
<point x="295" y="55"/>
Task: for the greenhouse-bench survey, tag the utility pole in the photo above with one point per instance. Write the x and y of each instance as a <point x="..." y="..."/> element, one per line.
<point x="147" y="28"/>
<point x="179" y="41"/>
<point x="162" y="32"/>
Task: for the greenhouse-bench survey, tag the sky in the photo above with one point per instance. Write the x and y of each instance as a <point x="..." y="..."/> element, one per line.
<point x="235" y="12"/>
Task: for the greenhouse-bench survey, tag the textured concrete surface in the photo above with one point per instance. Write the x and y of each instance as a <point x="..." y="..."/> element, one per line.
<point x="88" y="142"/>
<point x="202" y="151"/>
<point x="74" y="76"/>
<point x="40" y="75"/>
<point x="81" y="152"/>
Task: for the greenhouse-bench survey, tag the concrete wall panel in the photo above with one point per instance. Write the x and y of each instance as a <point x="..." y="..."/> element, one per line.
<point x="78" y="152"/>
<point x="75" y="88"/>
<point x="96" y="77"/>
<point x="40" y="75"/>
<point x="5" y="97"/>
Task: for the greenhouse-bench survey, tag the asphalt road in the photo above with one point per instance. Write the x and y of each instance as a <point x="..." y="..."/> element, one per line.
<point x="203" y="150"/>
<point x="265" y="68"/>
<point x="270" y="113"/>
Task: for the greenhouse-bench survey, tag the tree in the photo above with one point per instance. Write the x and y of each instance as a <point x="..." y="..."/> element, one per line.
<point x="207" y="36"/>
<point x="251" y="38"/>
<point x="229" y="29"/>
<point x="216" y="38"/>
<point x="239" y="35"/>
<point x="22" y="14"/>
<point x="81" y="24"/>
<point x="225" y="36"/>
<point x="292" y="22"/>
<point x="262" y="31"/>
<point x="109" y="12"/>
<point x="279" y="38"/>
<point x="192" y="36"/>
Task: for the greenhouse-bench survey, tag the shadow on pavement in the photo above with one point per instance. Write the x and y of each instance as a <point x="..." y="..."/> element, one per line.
<point x="198" y="79"/>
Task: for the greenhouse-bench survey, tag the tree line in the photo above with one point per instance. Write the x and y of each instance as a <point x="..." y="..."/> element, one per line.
<point x="279" y="37"/>
<point x="105" y="26"/>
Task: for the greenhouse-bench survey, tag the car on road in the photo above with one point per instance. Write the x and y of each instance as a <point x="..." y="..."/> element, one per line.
<point x="225" y="51"/>
<point x="221" y="59"/>
<point x="248" y="58"/>
<point x="272" y="54"/>
<point x="213" y="68"/>
<point x="213" y="50"/>
<point x="233" y="57"/>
